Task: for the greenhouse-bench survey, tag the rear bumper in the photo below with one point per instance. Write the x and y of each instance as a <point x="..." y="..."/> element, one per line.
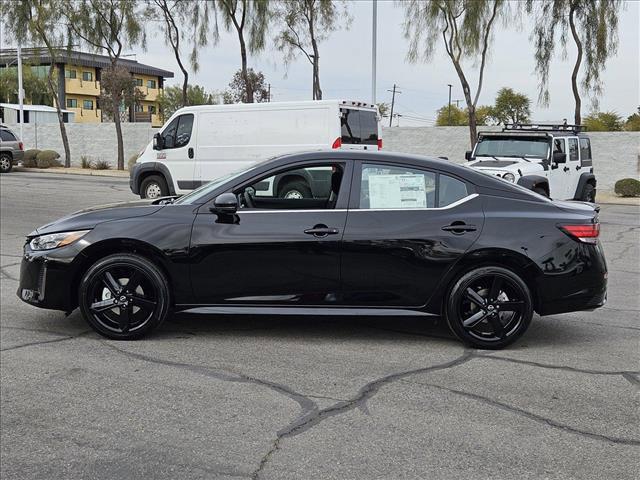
<point x="582" y="286"/>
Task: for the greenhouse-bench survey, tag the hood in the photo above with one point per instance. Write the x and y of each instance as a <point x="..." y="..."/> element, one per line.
<point x="90" y="217"/>
<point x="493" y="163"/>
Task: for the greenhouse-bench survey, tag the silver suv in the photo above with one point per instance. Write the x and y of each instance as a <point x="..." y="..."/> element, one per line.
<point x="11" y="149"/>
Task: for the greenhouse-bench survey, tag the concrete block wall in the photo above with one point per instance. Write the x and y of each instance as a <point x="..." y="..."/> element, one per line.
<point x="97" y="141"/>
<point x="616" y="155"/>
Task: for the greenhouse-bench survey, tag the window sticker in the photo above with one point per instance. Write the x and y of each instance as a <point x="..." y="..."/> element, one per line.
<point x="397" y="191"/>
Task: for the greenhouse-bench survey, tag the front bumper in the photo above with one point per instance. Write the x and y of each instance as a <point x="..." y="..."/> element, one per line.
<point x="46" y="283"/>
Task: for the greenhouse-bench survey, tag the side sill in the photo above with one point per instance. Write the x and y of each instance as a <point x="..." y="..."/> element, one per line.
<point x="317" y="311"/>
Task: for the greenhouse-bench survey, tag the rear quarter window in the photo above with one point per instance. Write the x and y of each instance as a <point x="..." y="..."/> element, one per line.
<point x="7" y="136"/>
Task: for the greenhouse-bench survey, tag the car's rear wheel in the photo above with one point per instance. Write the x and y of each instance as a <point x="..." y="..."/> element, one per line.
<point x="541" y="191"/>
<point x="5" y="163"/>
<point x="153" y="186"/>
<point x="588" y="193"/>
<point x="124" y="296"/>
<point x="489" y="307"/>
<point x="295" y="189"/>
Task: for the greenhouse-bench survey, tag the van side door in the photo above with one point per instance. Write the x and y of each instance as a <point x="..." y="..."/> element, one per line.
<point x="178" y="149"/>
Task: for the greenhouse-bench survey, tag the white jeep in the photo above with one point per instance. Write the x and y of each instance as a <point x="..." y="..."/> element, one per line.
<point x="553" y="160"/>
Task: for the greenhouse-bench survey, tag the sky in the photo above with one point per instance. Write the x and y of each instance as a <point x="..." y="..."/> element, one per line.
<point x="345" y="67"/>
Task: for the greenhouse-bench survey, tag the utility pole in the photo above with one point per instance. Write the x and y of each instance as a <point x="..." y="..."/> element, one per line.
<point x="20" y="93"/>
<point x="449" y="121"/>
<point x="393" y="101"/>
<point x="457" y="103"/>
<point x="374" y="40"/>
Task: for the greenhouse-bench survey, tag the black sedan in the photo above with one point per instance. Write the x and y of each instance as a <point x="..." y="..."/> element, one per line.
<point x="385" y="234"/>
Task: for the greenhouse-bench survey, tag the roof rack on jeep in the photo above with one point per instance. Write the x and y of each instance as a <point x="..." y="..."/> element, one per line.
<point x="543" y="127"/>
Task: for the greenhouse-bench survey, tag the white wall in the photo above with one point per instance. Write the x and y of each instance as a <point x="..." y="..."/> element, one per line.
<point x="616" y="155"/>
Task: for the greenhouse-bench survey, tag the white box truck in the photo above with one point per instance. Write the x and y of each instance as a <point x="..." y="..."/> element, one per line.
<point x="201" y="143"/>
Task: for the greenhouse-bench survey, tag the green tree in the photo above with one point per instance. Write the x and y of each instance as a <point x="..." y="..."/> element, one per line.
<point x="511" y="107"/>
<point x="485" y="115"/>
<point x="238" y="89"/>
<point x="383" y="109"/>
<point x="465" y="27"/>
<point x="249" y="19"/>
<point x="593" y="27"/>
<point x="117" y="88"/>
<point x="306" y="23"/>
<point x="36" y="90"/>
<point x="458" y="117"/>
<point x="171" y="99"/>
<point x="111" y="26"/>
<point x="37" y="22"/>
<point x="603" y="122"/>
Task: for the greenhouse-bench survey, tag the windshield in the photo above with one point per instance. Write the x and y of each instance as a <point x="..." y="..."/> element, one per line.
<point x="512" y="147"/>
<point x="204" y="190"/>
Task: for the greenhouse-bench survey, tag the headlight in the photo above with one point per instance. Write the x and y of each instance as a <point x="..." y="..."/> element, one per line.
<point x="509" y="177"/>
<point x="55" y="240"/>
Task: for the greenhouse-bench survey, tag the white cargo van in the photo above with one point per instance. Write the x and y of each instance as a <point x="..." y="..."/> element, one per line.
<point x="199" y="144"/>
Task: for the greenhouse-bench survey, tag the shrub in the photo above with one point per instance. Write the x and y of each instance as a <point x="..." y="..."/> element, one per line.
<point x="30" y="158"/>
<point x="132" y="161"/>
<point x="47" y="159"/>
<point x="85" y="161"/>
<point x="627" y="187"/>
<point x="101" y="165"/>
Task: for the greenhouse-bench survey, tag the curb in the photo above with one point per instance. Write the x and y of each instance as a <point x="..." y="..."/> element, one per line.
<point x="76" y="171"/>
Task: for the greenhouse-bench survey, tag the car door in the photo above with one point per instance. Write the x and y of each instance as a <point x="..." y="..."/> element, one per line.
<point x="560" y="173"/>
<point x="406" y="227"/>
<point x="177" y="153"/>
<point x="275" y="250"/>
<point x="573" y="163"/>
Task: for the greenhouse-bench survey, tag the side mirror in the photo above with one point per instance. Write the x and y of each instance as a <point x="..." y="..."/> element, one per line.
<point x="225" y="203"/>
<point x="467" y="155"/>
<point x="559" y="157"/>
<point x="158" y="143"/>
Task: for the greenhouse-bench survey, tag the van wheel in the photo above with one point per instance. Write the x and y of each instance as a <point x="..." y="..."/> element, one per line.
<point x="295" y="189"/>
<point x="153" y="186"/>
<point x="5" y="163"/>
<point x="588" y="193"/>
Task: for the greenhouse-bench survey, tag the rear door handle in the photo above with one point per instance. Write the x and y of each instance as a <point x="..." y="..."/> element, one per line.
<point x="566" y="169"/>
<point x="190" y="152"/>
<point x="459" y="228"/>
<point x="321" y="231"/>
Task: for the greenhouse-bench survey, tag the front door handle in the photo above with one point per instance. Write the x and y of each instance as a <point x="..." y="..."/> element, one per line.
<point x="321" y="231"/>
<point x="459" y="228"/>
<point x="190" y="152"/>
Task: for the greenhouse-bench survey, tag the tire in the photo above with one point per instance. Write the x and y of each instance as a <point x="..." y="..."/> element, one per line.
<point x="588" y="193"/>
<point x="153" y="186"/>
<point x="295" y="189"/>
<point x="115" y="311"/>
<point x="541" y="191"/>
<point x="5" y="163"/>
<point x="489" y="307"/>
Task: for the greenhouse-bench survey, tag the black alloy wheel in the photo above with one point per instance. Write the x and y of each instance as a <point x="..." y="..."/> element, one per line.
<point x="124" y="296"/>
<point x="489" y="307"/>
<point x="589" y="193"/>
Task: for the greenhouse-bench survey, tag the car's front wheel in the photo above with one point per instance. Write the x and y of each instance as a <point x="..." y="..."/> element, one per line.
<point x="5" y="163"/>
<point x="124" y="296"/>
<point x="489" y="307"/>
<point x="153" y="186"/>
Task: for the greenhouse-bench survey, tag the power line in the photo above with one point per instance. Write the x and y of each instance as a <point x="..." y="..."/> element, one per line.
<point x="393" y="101"/>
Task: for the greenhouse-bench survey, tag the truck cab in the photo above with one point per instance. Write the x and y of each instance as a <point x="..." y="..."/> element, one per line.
<point x="552" y="160"/>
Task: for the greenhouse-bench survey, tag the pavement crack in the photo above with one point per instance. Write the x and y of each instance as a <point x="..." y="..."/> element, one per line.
<point x="532" y="416"/>
<point x="553" y="367"/>
<point x="43" y="342"/>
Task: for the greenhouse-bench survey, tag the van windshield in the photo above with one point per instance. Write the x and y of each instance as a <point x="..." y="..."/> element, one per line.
<point x="497" y="146"/>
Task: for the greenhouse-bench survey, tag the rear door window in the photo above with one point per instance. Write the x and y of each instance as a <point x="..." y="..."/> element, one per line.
<point x="359" y="127"/>
<point x="573" y="149"/>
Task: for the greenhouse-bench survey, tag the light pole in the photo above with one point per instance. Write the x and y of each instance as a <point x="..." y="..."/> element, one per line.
<point x="449" y="121"/>
<point x="374" y="40"/>
<point x="20" y="94"/>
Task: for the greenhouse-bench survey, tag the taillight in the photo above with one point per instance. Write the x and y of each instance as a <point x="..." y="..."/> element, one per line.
<point x="379" y="144"/>
<point x="583" y="233"/>
<point x="337" y="143"/>
<point x="20" y="146"/>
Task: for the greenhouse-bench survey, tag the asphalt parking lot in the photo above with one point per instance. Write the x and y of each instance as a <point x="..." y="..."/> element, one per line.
<point x="311" y="398"/>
